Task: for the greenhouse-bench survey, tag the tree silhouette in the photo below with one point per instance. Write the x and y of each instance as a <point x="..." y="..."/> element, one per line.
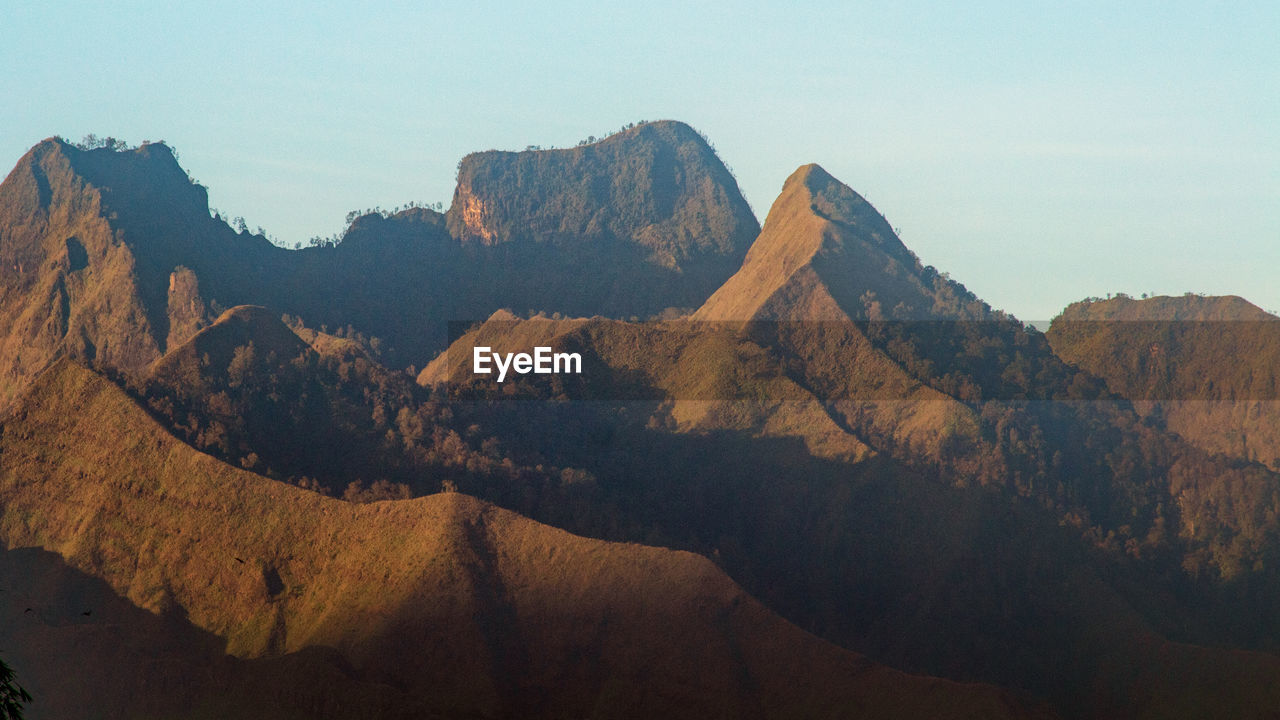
<point x="12" y="696"/>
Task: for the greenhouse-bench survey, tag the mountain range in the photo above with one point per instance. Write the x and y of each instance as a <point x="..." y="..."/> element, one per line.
<point x="803" y="474"/>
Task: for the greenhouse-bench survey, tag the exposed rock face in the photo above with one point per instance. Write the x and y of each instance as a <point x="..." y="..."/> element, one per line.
<point x="187" y="311"/>
<point x="650" y="216"/>
<point x="70" y="284"/>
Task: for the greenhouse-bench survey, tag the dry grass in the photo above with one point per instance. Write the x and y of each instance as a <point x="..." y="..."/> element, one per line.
<point x="469" y="607"/>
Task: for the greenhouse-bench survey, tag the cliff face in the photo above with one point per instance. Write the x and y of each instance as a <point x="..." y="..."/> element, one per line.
<point x="651" y="215"/>
<point x="826" y="254"/>
<point x="69" y="283"/>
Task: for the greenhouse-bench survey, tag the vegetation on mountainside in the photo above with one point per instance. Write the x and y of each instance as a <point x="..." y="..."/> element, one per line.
<point x="322" y="415"/>
<point x="861" y="442"/>
<point x="410" y="594"/>
<point x="95" y="235"/>
<point x="828" y="276"/>
<point x="12" y="695"/>
<point x="1202" y="367"/>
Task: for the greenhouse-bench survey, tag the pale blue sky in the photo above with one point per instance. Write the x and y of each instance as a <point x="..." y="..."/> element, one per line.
<point x="1040" y="153"/>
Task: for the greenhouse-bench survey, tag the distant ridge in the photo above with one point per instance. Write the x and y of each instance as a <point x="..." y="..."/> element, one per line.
<point x="112" y="256"/>
<point x="1164" y="308"/>
<point x="1206" y="367"/>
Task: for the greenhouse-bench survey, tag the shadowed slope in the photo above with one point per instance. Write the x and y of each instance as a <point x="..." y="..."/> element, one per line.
<point x="86" y="652"/>
<point x="468" y="608"/>
<point x="825" y="261"/>
<point x="697" y="377"/>
<point x="965" y="583"/>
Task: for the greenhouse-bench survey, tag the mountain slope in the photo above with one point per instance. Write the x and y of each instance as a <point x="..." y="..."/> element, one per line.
<point x="825" y="261"/>
<point x="649" y="216"/>
<point x="994" y="466"/>
<point x="863" y="551"/>
<point x="825" y="254"/>
<point x="112" y="256"/>
<point x="68" y="286"/>
<point x="1203" y="367"/>
<point x="698" y="377"/>
<point x="465" y="608"/>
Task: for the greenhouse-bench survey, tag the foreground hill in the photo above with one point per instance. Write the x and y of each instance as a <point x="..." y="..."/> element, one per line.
<point x="1204" y="367"/>
<point x="443" y="604"/>
<point x="112" y="256"/>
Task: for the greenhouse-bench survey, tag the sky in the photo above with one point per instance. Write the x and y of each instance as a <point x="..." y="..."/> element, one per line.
<point x="1038" y="152"/>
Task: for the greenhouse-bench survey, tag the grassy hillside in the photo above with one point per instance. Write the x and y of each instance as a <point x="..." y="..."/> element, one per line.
<point x="464" y="608"/>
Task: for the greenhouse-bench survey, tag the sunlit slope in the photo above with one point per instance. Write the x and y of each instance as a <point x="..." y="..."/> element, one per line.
<point x="115" y="256"/>
<point x="1206" y="368"/>
<point x="696" y="377"/>
<point x="468" y="608"/>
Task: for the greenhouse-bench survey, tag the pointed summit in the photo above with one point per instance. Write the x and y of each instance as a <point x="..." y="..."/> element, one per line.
<point x="245" y="326"/>
<point x="826" y="254"/>
<point x="100" y="251"/>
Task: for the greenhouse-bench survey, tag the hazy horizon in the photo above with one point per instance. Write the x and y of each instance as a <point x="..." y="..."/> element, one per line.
<point x="1038" y="155"/>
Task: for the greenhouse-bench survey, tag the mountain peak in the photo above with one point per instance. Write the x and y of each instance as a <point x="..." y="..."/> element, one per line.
<point x="812" y="176"/>
<point x="240" y="327"/>
<point x="650" y="210"/>
<point x="826" y="254"/>
<point x="1165" y="308"/>
<point x="658" y="185"/>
